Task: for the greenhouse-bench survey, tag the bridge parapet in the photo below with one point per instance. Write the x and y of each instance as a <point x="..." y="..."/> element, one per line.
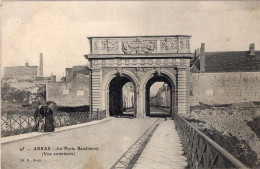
<point x="140" y="44"/>
<point x="201" y="151"/>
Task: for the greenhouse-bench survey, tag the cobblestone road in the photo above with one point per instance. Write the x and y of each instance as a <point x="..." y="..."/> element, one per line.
<point x="112" y="138"/>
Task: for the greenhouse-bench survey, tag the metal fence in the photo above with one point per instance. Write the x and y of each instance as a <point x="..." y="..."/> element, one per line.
<point x="15" y="124"/>
<point x="201" y="151"/>
<point x="67" y="119"/>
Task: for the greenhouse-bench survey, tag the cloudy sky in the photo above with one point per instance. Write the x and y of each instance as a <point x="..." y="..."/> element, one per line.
<point x="60" y="29"/>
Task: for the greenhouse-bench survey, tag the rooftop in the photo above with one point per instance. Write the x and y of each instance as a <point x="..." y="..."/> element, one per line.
<point x="228" y="61"/>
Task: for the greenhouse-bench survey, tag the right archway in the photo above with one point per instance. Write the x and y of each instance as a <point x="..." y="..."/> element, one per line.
<point x="158" y="104"/>
<point x="158" y="76"/>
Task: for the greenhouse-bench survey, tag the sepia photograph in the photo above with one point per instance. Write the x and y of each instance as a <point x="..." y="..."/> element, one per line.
<point x="130" y="84"/>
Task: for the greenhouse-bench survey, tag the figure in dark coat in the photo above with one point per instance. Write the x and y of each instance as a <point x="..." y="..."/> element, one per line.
<point x="49" y="121"/>
<point x="39" y="117"/>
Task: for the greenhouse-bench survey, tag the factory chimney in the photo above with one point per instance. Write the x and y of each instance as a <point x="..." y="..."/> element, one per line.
<point x="202" y="57"/>
<point x="41" y="66"/>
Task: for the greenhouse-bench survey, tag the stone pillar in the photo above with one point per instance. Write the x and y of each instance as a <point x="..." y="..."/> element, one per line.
<point x="174" y="102"/>
<point x="140" y="102"/>
<point x="95" y="90"/>
<point x="147" y="106"/>
<point x="183" y="105"/>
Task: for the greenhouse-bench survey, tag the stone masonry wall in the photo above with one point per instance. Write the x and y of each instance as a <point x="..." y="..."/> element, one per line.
<point x="68" y="94"/>
<point x="224" y="88"/>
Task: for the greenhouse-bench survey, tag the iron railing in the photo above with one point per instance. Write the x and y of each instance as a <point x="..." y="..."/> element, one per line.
<point x="67" y="119"/>
<point x="201" y="151"/>
<point x="14" y="124"/>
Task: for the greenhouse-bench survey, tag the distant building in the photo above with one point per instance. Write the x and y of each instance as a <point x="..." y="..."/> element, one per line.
<point x="225" y="77"/>
<point x="20" y="73"/>
<point x="162" y="98"/>
<point x="220" y="78"/>
<point x="26" y="73"/>
<point x="128" y="95"/>
<point x="27" y="77"/>
<point x="72" y="72"/>
<point x="229" y="61"/>
<point x="72" y="92"/>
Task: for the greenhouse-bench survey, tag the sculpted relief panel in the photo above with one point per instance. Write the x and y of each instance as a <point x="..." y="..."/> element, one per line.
<point x="141" y="45"/>
<point x="169" y="45"/>
<point x="138" y="46"/>
<point x="109" y="46"/>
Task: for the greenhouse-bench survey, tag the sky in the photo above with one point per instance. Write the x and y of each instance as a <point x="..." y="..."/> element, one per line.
<point x="59" y="29"/>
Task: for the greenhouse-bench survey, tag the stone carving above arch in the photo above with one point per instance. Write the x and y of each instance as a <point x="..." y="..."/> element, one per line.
<point x="109" y="46"/>
<point x="138" y="72"/>
<point x="169" y="45"/>
<point x="157" y="72"/>
<point x="139" y="46"/>
<point x="187" y="44"/>
<point x="119" y="72"/>
<point x="182" y="45"/>
<point x="96" y="45"/>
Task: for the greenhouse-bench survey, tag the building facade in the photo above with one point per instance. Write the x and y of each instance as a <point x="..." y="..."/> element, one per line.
<point x="73" y="92"/>
<point x="20" y="73"/>
<point x="225" y="77"/>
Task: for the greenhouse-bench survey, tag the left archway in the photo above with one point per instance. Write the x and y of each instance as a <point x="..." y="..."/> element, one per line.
<point x="112" y="92"/>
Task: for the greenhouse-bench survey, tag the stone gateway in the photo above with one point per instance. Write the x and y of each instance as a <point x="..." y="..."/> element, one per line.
<point x="142" y="60"/>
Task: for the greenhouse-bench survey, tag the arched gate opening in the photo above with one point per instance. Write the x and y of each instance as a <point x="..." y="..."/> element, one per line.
<point x="164" y="103"/>
<point x="117" y="97"/>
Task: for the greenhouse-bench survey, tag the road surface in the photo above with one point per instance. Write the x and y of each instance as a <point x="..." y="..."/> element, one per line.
<point x="101" y="145"/>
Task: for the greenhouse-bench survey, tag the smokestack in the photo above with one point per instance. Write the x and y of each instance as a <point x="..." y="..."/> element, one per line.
<point x="252" y="49"/>
<point x="41" y="66"/>
<point x="202" y="57"/>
